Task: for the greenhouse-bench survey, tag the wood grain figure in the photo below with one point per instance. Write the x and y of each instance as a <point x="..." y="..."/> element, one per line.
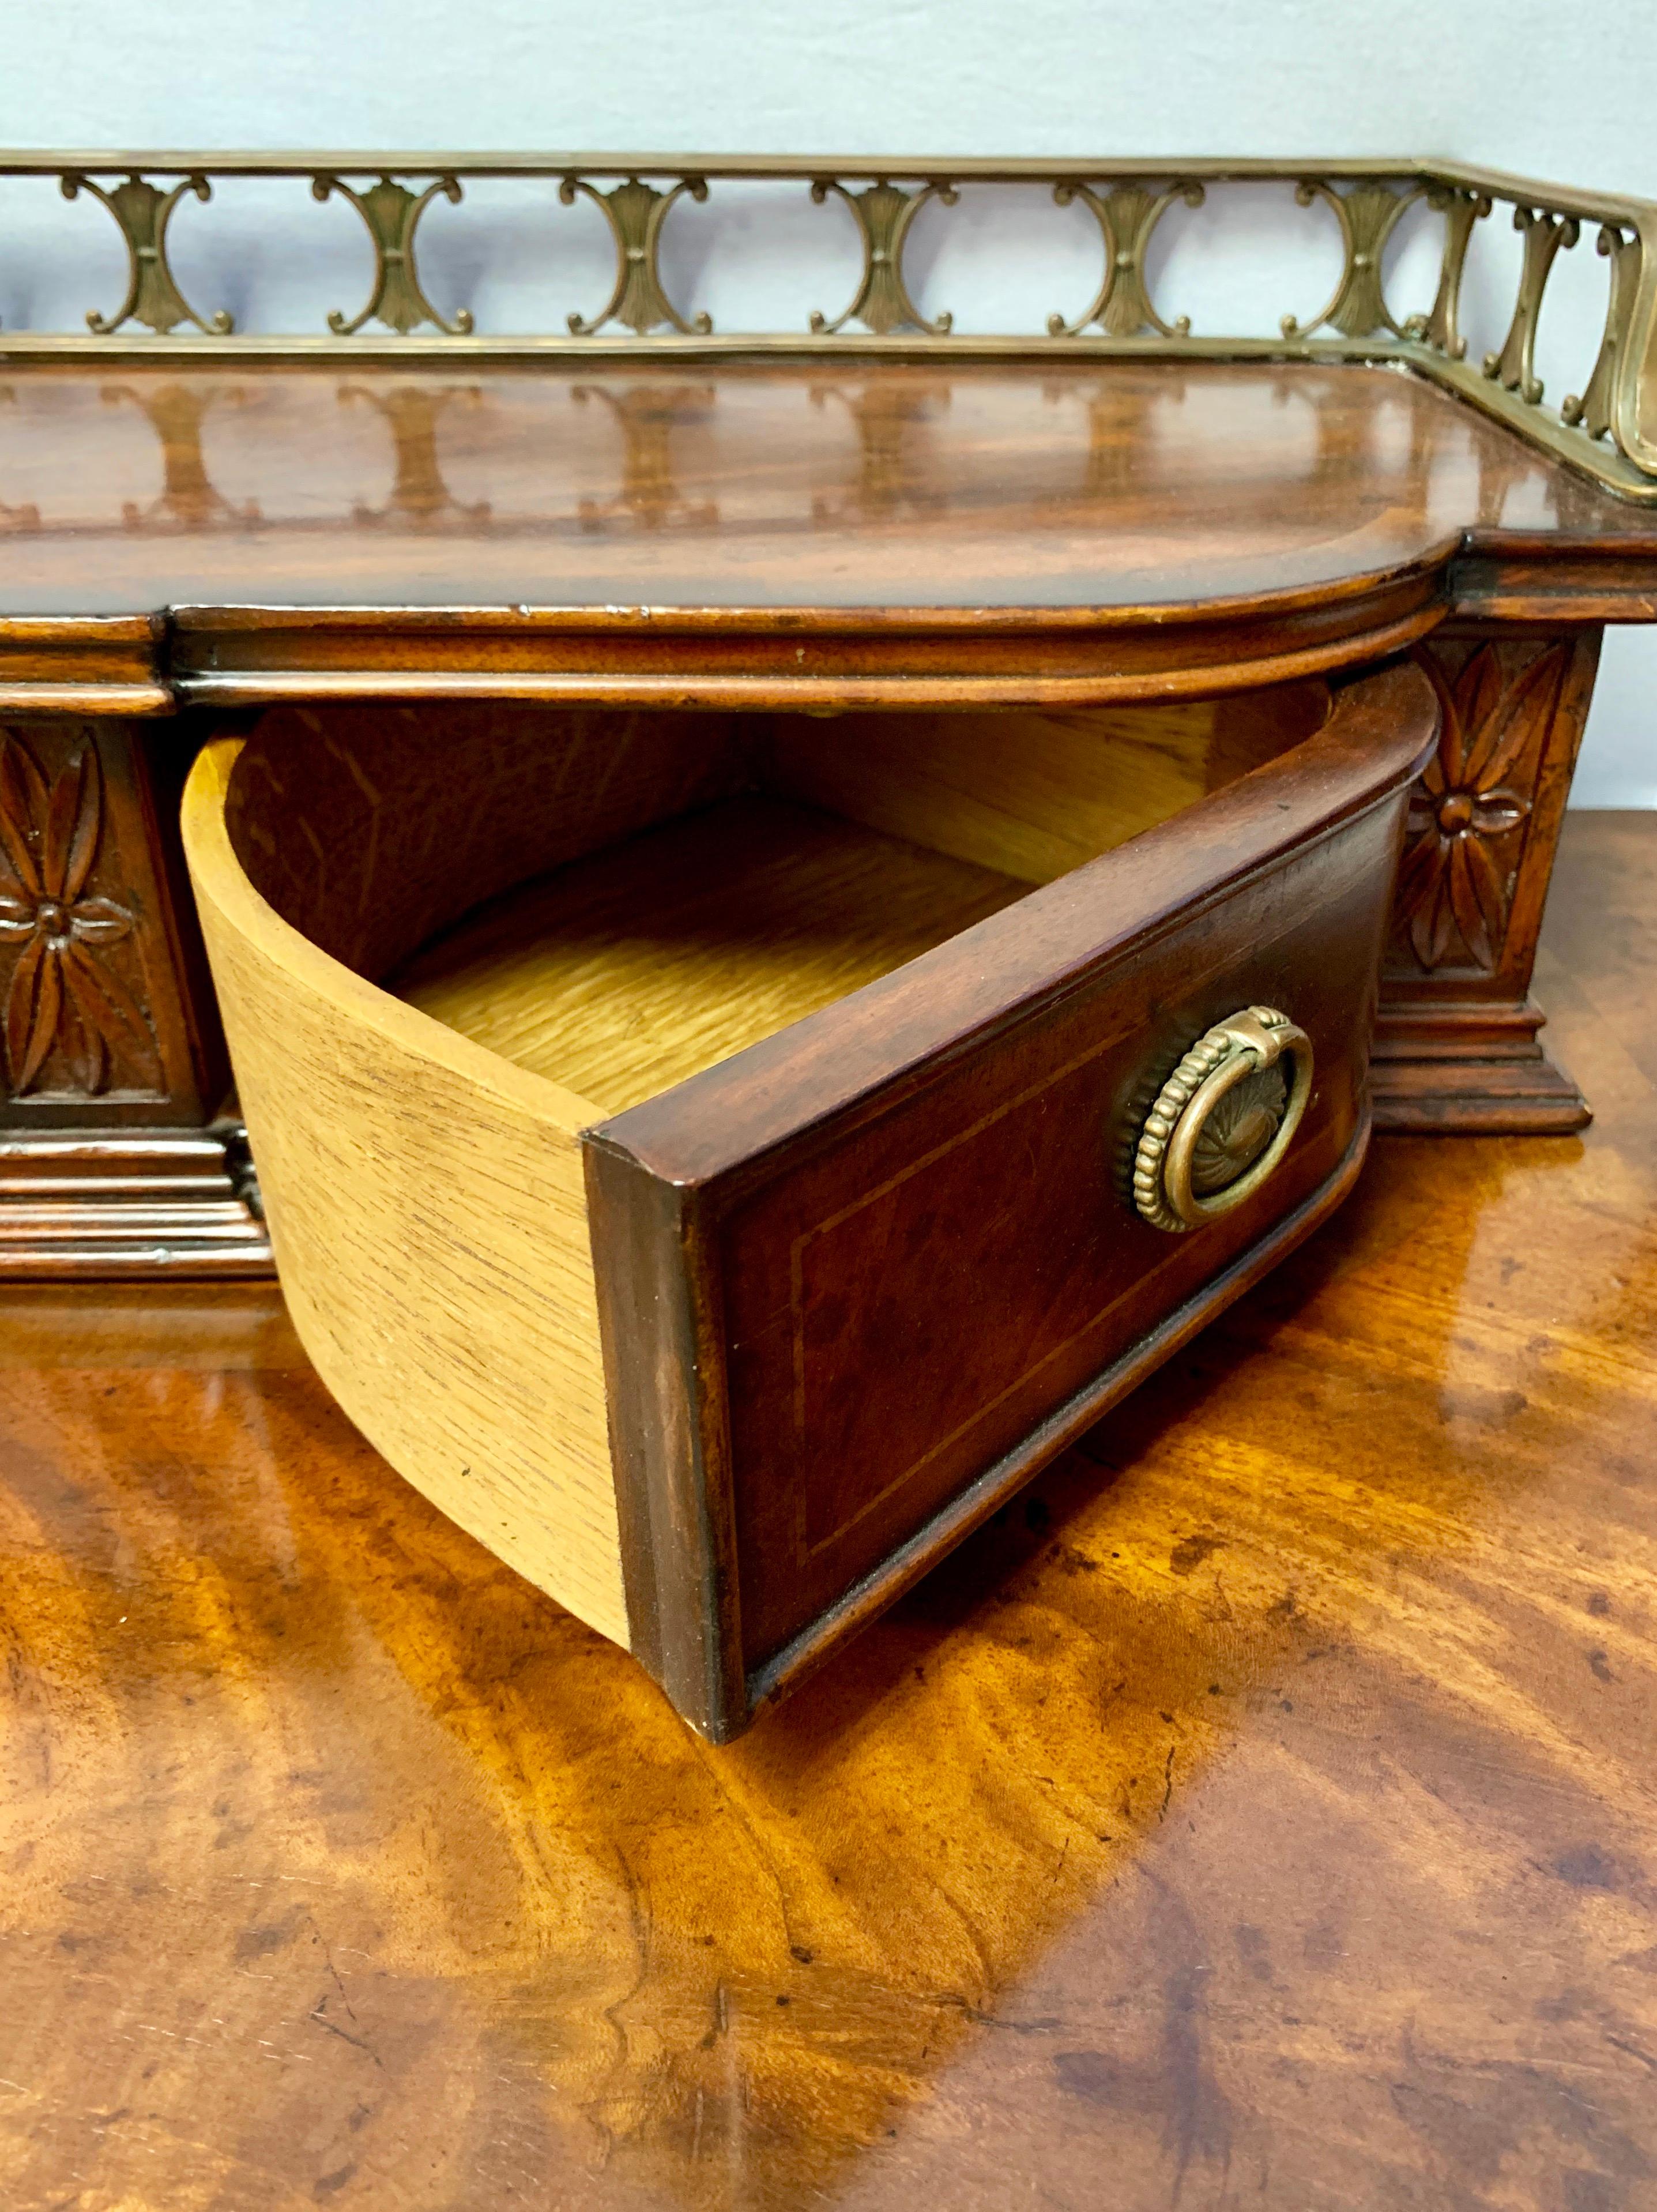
<point x="1257" y="1807"/>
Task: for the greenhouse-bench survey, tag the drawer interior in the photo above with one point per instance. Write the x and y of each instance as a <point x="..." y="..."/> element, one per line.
<point x="626" y="972"/>
<point x="616" y="900"/>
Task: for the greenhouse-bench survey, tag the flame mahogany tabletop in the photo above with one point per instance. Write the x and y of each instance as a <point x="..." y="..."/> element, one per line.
<point x="750" y="534"/>
<point x="1259" y="1811"/>
<point x="857" y="486"/>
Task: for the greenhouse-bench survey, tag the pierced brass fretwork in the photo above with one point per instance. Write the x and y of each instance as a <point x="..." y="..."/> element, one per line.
<point x="635" y="213"/>
<point x="1593" y="411"/>
<point x="390" y="214"/>
<point x="1441" y="327"/>
<point x="1514" y="367"/>
<point x="1127" y="216"/>
<point x="884" y="216"/>
<point x="1606" y="429"/>
<point x="144" y="212"/>
<point x="1368" y="216"/>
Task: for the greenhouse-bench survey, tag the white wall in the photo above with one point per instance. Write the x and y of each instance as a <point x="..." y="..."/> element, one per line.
<point x="1520" y="84"/>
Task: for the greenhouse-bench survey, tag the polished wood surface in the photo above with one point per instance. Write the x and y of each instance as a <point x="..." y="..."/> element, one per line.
<point x="1259" y="1811"/>
<point x="1055" y="530"/>
<point x="864" y="484"/>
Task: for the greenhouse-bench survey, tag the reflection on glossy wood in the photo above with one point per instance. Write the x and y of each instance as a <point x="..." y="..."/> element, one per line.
<point x="1021" y="484"/>
<point x="419" y="499"/>
<point x="1259" y="1810"/>
<point x="1051" y="532"/>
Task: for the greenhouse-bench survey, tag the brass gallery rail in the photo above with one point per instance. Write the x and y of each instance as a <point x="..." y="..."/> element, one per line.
<point x="1608" y="429"/>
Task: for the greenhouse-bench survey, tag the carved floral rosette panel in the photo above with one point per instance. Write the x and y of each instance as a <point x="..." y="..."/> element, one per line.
<point x="1473" y="813"/>
<point x="74" y="911"/>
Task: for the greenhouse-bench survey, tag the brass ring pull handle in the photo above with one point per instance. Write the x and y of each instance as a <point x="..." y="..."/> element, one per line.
<point x="1223" y="1119"/>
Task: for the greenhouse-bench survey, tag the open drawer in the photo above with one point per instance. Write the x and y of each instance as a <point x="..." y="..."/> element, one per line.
<point x="717" y="1157"/>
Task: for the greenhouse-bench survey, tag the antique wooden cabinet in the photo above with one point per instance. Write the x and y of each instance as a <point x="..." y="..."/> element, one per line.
<point x="792" y="911"/>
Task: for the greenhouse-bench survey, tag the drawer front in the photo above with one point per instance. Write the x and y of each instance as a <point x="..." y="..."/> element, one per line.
<point x="859" y="1282"/>
<point x="905" y="1307"/>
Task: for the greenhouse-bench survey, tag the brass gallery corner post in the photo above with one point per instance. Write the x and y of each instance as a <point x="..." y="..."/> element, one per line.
<point x="113" y="1158"/>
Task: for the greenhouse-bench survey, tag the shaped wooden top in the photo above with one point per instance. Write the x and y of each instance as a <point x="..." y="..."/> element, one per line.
<point x="1085" y="524"/>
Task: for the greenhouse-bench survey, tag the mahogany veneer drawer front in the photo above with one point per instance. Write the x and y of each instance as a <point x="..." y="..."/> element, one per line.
<point x="717" y="1157"/>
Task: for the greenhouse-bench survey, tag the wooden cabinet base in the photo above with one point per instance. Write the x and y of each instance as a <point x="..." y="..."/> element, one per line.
<point x="118" y="1157"/>
<point x="1456" y="1050"/>
<point x="125" y="1179"/>
<point x="1470" y="1071"/>
<point x="129" y="1204"/>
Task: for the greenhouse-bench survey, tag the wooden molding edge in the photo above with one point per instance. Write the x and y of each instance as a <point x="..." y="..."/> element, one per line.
<point x="84" y="665"/>
<point x="128" y="1205"/>
<point x="1473" y="1070"/>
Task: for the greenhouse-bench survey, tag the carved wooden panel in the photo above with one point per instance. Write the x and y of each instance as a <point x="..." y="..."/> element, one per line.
<point x="1473" y="814"/>
<point x="72" y="1021"/>
<point x="1471" y="811"/>
<point x="98" y="1025"/>
<point x="1456" y="1044"/>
